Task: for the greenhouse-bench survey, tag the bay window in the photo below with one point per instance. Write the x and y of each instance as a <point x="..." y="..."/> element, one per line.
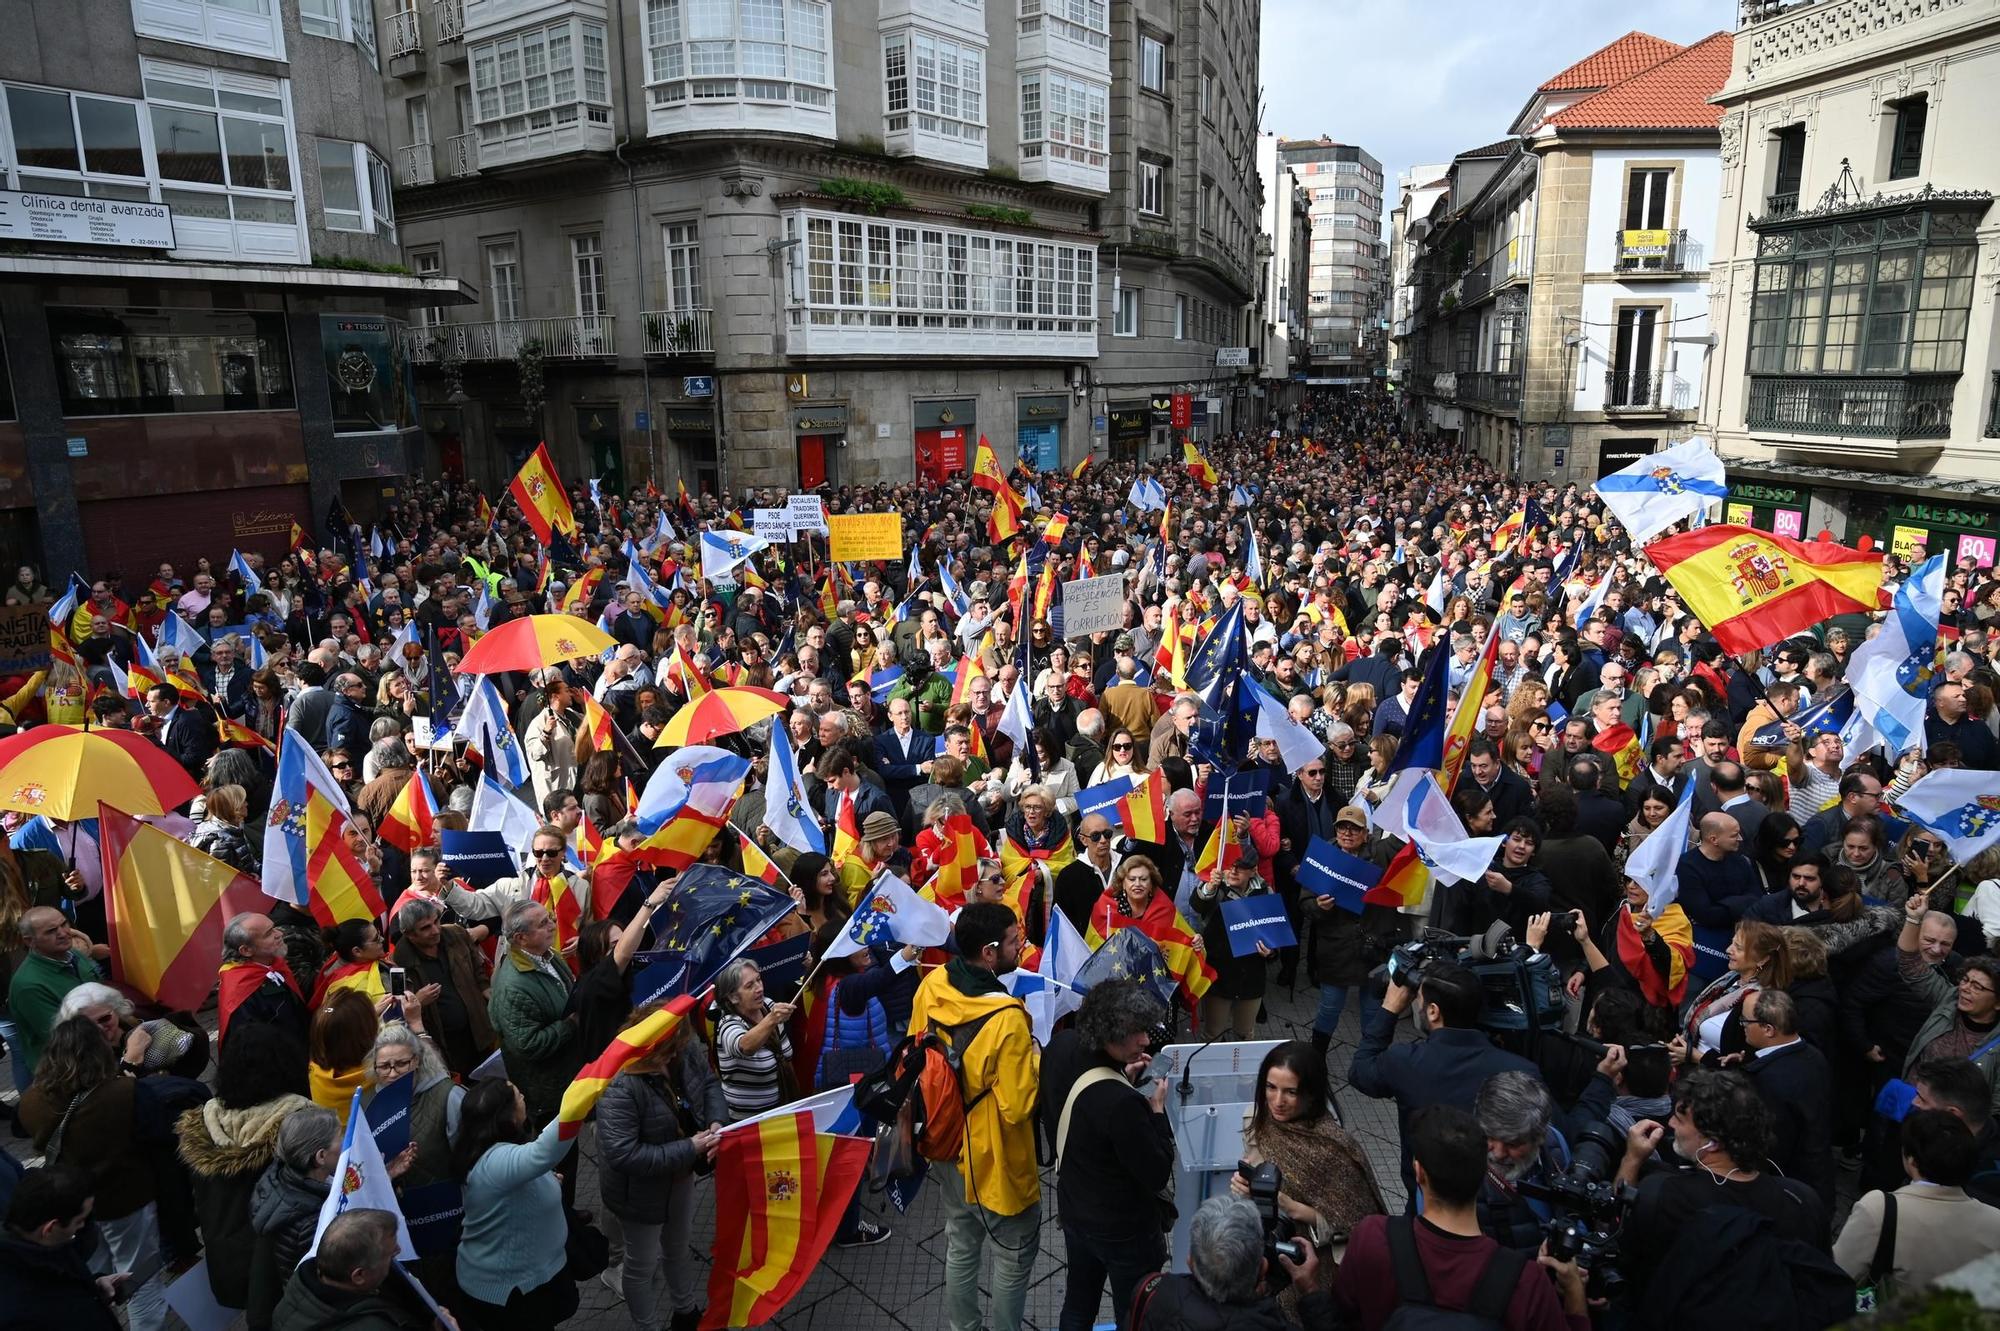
<point x="354" y="188"/>
<point x="1064" y="127"/>
<point x="935" y="97"/>
<point x="246" y="27"/>
<point x="740" y="63"/>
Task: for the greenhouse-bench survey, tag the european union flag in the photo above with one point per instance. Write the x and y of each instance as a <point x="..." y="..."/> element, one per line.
<point x="1422" y="744"/>
<point x="1827" y="717"/>
<point x="713" y="917"/>
<point x="1128" y="955"/>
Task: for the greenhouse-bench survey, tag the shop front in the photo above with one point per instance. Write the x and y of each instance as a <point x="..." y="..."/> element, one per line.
<point x="691" y="433"/>
<point x="1768" y="506"/>
<point x="819" y="433"/>
<point x="1038" y="437"/>
<point x="942" y="434"/>
<point x="597" y="436"/>
<point x="1131" y="425"/>
<point x="1915" y="529"/>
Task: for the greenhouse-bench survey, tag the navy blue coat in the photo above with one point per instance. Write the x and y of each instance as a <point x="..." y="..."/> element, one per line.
<point x="1447" y="1067"/>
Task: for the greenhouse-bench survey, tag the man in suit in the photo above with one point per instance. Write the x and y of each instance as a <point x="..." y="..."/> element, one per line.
<point x="1664" y="771"/>
<point x="1506" y="788"/>
<point x="1732" y="793"/>
<point x="903" y="754"/>
<point x="1860" y="793"/>
<point x="227" y="682"/>
<point x="1379" y="670"/>
<point x="843" y="774"/>
<point x="1447" y="1066"/>
<point x="1597" y="814"/>
<point x="1797" y="1085"/>
<point x="186" y="734"/>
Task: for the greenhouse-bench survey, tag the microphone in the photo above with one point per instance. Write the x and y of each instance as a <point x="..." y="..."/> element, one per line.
<point x="1187" y="1073"/>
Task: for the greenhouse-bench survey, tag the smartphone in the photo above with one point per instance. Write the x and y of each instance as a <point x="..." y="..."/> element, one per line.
<point x="395" y="982"/>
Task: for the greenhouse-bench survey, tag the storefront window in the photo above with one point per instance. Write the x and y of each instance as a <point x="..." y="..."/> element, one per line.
<point x="367" y="375"/>
<point x="127" y="362"/>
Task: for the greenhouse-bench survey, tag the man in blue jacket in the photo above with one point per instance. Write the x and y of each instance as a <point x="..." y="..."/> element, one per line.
<point x="1447" y="1067"/>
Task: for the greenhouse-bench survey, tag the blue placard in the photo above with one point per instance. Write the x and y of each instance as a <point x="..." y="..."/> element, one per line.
<point x="1328" y="871"/>
<point x="1257" y="919"/>
<point x="1239" y="792"/>
<point x="388" y="1116"/>
<point x="783" y="963"/>
<point x="479" y="858"/>
<point x="435" y="1213"/>
<point x="1103" y="799"/>
<point x="658" y="976"/>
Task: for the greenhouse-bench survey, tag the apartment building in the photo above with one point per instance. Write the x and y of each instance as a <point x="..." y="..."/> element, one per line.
<point x="1855" y="385"/>
<point x="1287" y="271"/>
<point x="184" y="372"/>
<point x="1417" y="190"/>
<point x="1344" y="185"/>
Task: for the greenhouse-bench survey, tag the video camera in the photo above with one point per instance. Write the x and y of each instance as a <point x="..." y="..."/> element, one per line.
<point x="1590" y="1205"/>
<point x="1280" y="1235"/>
<point x="1523" y="989"/>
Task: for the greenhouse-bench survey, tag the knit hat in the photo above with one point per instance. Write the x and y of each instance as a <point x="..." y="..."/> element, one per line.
<point x="879" y="825"/>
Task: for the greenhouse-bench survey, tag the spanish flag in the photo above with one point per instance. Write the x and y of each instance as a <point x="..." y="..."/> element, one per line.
<point x="1053" y="533"/>
<point x="758" y="865"/>
<point x="483" y="511"/>
<point x="780" y="1189"/>
<point x="565" y="907"/>
<point x="1170" y="931"/>
<point x="1222" y="850"/>
<point x="145" y="671"/>
<point x="165" y="904"/>
<point x="986" y="473"/>
<point x="1504" y="534"/>
<point x="577" y="596"/>
<point x="1471" y="708"/>
<point x="1753" y="588"/>
<point x="411" y="820"/>
<point x="1015" y="861"/>
<point x="539" y="492"/>
<point x="588" y="842"/>
<point x="298" y="536"/>
<point x="1403" y="883"/>
<point x="1143" y="809"/>
<point x="680" y="840"/>
<point x="1167" y="520"/>
<point x="1197" y="465"/>
<point x="1005" y="519"/>
<point x="340" y="888"/>
<point x="627" y="1047"/>
<point x="969" y="668"/>
<point x="236" y="735"/>
<point x="1076" y="472"/>
<point x="1621" y="745"/>
<point x="958" y="863"/>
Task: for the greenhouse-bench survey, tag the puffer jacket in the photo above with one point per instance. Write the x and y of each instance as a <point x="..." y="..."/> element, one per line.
<point x="640" y="1139"/>
<point x="284" y="1212"/>
<point x="229" y="843"/>
<point x="226" y="1152"/>
<point x="527" y="1004"/>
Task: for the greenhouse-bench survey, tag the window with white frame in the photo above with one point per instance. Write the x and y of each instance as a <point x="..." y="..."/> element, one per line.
<point x="1064" y="117"/>
<point x="1153" y="188"/>
<point x="682" y="242"/>
<point x="540" y="79"/>
<point x="753" y="50"/>
<point x="427" y="263"/>
<point x="249" y="27"/>
<point x="222" y="143"/>
<point x="857" y="272"/>
<point x="586" y="258"/>
<point x="339" y="20"/>
<point x="1080" y="21"/>
<point x="503" y="279"/>
<point x="1208" y="95"/>
<point x="939" y="82"/>
<point x="354" y="188"/>
<point x="1152" y="64"/>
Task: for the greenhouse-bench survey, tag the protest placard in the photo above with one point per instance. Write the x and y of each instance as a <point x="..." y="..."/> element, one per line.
<point x="1093" y="605"/>
<point x="1257" y="919"/>
<point x="865" y="535"/>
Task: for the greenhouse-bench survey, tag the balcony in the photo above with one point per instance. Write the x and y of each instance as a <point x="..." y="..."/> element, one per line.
<point x="406" y="33"/>
<point x="1781" y="205"/>
<point x="1993" y="409"/>
<point x="461" y="155"/>
<point x="1627" y="394"/>
<point x="1051" y="163"/>
<point x="1047" y="38"/>
<point x="679" y="332"/>
<point x="1658" y="254"/>
<point x="1515" y="261"/>
<point x="567" y="130"/>
<point x="415" y="165"/>
<point x="448" y="17"/>
<point x="1782" y="41"/>
<point x="1495" y="389"/>
<point x="1862" y="412"/>
<point x="569" y="338"/>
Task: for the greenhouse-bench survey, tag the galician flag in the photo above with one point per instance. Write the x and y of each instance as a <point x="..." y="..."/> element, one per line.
<point x="1659" y="490"/>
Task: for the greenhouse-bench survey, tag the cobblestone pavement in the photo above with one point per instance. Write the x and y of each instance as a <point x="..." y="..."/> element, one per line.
<point x="900" y="1283"/>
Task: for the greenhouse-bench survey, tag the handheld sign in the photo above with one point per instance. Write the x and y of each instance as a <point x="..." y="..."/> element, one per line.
<point x="1257" y="919"/>
<point x="1239" y="792"/>
<point x="480" y="858"/>
<point x="1328" y="871"/>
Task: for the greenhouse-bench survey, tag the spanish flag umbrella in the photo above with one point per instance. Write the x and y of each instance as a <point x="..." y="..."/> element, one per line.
<point x="66" y="772"/>
<point x="720" y="712"/>
<point x="533" y="642"/>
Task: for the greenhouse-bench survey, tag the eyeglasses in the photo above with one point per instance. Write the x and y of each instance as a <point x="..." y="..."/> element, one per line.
<point x="1972" y="986"/>
<point x="994" y="878"/>
<point x="1312" y="771"/>
<point x="395" y="1065"/>
<point x="1540" y="725"/>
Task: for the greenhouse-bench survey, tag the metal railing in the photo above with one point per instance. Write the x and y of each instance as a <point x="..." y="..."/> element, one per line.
<point x="1625" y="391"/>
<point x="678" y="332"/>
<point x="1866" y="406"/>
<point x="1678" y="255"/>
<point x="1780" y="205"/>
<point x="1512" y="260"/>
<point x="415" y="165"/>
<point x="568" y="338"/>
<point x="1490" y="388"/>
<point x="406" y="32"/>
<point x="449" y="15"/>
<point x="461" y="154"/>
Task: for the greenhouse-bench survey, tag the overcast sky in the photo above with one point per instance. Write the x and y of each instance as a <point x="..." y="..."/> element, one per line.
<point x="1415" y="81"/>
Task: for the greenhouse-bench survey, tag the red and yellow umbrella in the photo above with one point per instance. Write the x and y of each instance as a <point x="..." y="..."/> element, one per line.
<point x="533" y="642"/>
<point x="65" y="773"/>
<point x="721" y="712"/>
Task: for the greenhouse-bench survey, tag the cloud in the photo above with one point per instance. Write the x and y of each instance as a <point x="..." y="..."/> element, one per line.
<point x="1416" y="81"/>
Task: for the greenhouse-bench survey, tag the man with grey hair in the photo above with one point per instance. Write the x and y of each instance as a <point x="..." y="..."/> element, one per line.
<point x="1226" y="1280"/>
<point x="256" y="985"/>
<point x="1517" y="1114"/>
<point x="529" y="1008"/>
<point x="1114" y="1147"/>
<point x="348" y="719"/>
<point x="346" y="1282"/>
<point x="442" y="964"/>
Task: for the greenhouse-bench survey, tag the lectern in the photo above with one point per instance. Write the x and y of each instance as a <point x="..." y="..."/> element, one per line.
<point x="1210" y="1091"/>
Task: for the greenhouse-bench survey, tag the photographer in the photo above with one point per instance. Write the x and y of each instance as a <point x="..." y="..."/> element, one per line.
<point x="1525" y="1145"/>
<point x="1227" y="1277"/>
<point x="1462" y="1270"/>
<point x="1446" y="1067"/>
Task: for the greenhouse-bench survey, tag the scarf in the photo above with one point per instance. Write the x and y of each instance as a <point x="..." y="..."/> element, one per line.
<point x="238" y="980"/>
<point x="1325" y="1170"/>
<point x="1678" y="935"/>
<point x="1721" y="996"/>
<point x="364" y="977"/>
<point x="335" y="1090"/>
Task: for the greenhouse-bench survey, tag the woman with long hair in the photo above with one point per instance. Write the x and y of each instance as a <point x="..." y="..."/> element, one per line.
<point x="1713" y="1023"/>
<point x="220" y="833"/>
<point x="602" y="790"/>
<point x="512" y="1243"/>
<point x="816" y="887"/>
<point x="1652" y="955"/>
<point x="338" y="1043"/>
<point x="1775" y="848"/>
<point x="1120" y="758"/>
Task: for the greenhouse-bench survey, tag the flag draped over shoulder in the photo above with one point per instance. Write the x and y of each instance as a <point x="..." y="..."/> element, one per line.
<point x="539" y="492"/>
<point x="1752" y="588"/>
<point x="165" y="905"/>
<point x="626" y="1048"/>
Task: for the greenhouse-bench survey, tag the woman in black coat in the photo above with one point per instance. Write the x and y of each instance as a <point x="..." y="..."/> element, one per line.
<point x="285" y="1205"/>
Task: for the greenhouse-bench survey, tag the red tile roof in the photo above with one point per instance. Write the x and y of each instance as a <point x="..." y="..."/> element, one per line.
<point x="1672" y="94"/>
<point x="1613" y="64"/>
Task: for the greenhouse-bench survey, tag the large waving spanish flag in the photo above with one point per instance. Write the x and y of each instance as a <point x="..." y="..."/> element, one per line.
<point x="780" y="1188"/>
<point x="539" y="492"/>
<point x="1143" y="809"/>
<point x="165" y="905"/>
<point x="411" y="820"/>
<point x="628" y="1046"/>
<point x="341" y="889"/>
<point x="986" y="473"/>
<point x="1753" y="589"/>
<point x="1198" y="466"/>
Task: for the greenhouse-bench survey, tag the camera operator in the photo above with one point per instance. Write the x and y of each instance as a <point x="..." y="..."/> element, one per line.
<point x="1525" y="1145"/>
<point x="1461" y="1269"/>
<point x="1446" y="1067"/>
<point x="1228" y="1271"/>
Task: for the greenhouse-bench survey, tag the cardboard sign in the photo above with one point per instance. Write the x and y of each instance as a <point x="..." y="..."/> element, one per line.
<point x="865" y="536"/>
<point x="24" y="639"/>
<point x="771" y="524"/>
<point x="1329" y="871"/>
<point x="1257" y="919"/>
<point x="808" y="513"/>
<point x="480" y="858"/>
<point x="1093" y="605"/>
<point x="1239" y="792"/>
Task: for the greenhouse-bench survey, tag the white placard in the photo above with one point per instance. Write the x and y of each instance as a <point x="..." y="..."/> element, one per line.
<point x="1232" y="358"/>
<point x="808" y="514"/>
<point x="1093" y="605"/>
<point x="771" y="524"/>
<point x="28" y="215"/>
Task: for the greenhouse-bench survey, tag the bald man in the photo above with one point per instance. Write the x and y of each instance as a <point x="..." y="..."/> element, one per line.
<point x="1084" y="879"/>
<point x="58" y="960"/>
<point x="1717" y="880"/>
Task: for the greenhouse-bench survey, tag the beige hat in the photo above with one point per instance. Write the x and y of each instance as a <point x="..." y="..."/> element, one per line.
<point x="879" y="825"/>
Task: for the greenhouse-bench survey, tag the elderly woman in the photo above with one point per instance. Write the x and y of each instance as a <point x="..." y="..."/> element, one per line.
<point x="1329" y="1184"/>
<point x="404" y="1050"/>
<point x="752" y="1049"/>
<point x="1058" y="778"/>
<point x="1138" y="897"/>
<point x="150" y="1046"/>
<point x="658" y="1125"/>
<point x="285" y="1206"/>
<point x="1238" y="990"/>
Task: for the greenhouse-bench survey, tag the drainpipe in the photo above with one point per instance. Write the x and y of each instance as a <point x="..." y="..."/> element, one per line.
<point x="638" y="237"/>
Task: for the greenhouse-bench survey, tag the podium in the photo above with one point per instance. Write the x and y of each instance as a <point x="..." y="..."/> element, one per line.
<point x="1207" y="1121"/>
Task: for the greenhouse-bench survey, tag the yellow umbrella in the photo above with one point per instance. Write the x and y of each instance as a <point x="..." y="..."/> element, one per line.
<point x="532" y="642"/>
<point x="720" y="712"/>
<point x="65" y="773"/>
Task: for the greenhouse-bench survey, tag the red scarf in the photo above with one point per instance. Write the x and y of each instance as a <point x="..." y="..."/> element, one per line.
<point x="333" y="975"/>
<point x="238" y="980"/>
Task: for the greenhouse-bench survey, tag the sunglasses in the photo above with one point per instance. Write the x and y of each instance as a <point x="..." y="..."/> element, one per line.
<point x="1312" y="771"/>
<point x="1122" y="748"/>
<point x="554" y="854"/>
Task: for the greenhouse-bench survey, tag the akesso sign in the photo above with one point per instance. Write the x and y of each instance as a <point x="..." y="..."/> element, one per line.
<point x="63" y="220"/>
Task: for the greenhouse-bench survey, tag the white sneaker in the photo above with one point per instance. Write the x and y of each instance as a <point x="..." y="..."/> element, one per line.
<point x="613" y="1278"/>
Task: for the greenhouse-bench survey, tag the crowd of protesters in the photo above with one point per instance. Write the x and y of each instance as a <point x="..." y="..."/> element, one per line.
<point x="1852" y="953"/>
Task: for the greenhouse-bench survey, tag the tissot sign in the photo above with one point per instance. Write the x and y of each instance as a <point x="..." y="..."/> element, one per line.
<point x="63" y="220"/>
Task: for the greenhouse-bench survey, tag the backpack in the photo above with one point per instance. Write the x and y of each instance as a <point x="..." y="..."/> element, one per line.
<point x="1728" y="1266"/>
<point x="1486" y="1310"/>
<point x="941" y="1085"/>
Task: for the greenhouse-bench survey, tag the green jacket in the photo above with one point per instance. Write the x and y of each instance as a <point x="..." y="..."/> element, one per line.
<point x="929" y="702"/>
<point x="541" y="1050"/>
<point x="37" y="990"/>
<point x="308" y="1305"/>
